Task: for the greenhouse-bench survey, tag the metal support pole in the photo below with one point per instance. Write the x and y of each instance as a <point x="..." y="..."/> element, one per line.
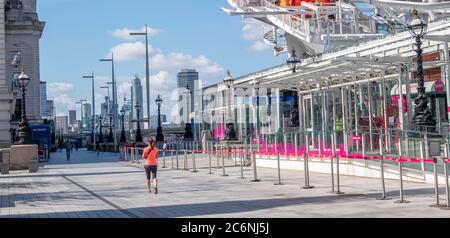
<point x="436" y="183"/>
<point x="400" y="167"/>
<point x="171" y="154"/>
<point x="209" y="151"/>
<point x="242" y="161"/>
<point x="278" y="161"/>
<point x="447" y="187"/>
<point x="177" y="145"/>
<point x="217" y="151"/>
<point x="306" y="163"/>
<point x="194" y="165"/>
<point x="185" y="166"/>
<point x="223" y="164"/>
<point x="383" y="184"/>
<point x="255" y="172"/>
<point x="338" y="184"/>
<point x="164" y="158"/>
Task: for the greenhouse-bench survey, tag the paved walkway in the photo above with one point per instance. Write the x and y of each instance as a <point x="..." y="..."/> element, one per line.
<point x="91" y="186"/>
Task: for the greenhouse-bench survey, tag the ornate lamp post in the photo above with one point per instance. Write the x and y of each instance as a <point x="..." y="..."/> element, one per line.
<point x="138" y="131"/>
<point x="293" y="61"/>
<point x="100" y="136"/>
<point x="123" y="137"/>
<point x="110" y="136"/>
<point x="422" y="114"/>
<point x="230" y="133"/>
<point x="188" y="128"/>
<point x="159" y="134"/>
<point x="24" y="132"/>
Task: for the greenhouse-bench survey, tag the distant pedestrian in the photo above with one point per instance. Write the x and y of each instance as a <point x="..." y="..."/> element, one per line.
<point x="97" y="147"/>
<point x="76" y="146"/>
<point x="68" y="149"/>
<point x="150" y="155"/>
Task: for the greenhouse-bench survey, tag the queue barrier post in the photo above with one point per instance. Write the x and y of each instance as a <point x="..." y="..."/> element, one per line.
<point x="209" y="151"/>
<point x="447" y="187"/>
<point x="278" y="161"/>
<point x="194" y="165"/>
<point x="255" y="172"/>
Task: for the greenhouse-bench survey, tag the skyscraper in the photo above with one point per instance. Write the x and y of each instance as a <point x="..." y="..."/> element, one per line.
<point x="62" y="124"/>
<point x="87" y="117"/>
<point x="72" y="117"/>
<point x="187" y="78"/>
<point x="136" y="97"/>
<point x="43" y="99"/>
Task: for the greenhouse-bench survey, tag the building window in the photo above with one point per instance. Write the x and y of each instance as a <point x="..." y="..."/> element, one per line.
<point x="16" y="58"/>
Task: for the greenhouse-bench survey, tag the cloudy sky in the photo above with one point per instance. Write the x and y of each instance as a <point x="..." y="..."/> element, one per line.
<point x="183" y="34"/>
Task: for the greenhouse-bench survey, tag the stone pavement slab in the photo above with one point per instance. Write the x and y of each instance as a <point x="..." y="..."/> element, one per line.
<point x="91" y="186"/>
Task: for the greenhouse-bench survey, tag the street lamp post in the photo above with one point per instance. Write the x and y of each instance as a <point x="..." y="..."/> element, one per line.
<point x="114" y="95"/>
<point x="422" y="114"/>
<point x="159" y="134"/>
<point x="147" y="69"/>
<point x="138" y="131"/>
<point x="110" y="135"/>
<point x="24" y="132"/>
<point x="188" y="128"/>
<point x="100" y="135"/>
<point x="123" y="137"/>
<point x="92" y="77"/>
<point x="230" y="132"/>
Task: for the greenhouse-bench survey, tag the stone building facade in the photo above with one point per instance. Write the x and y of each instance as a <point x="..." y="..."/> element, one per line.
<point x="6" y="97"/>
<point x="20" y="32"/>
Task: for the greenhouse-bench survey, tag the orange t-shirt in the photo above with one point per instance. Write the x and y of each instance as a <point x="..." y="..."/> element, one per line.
<point x="151" y="157"/>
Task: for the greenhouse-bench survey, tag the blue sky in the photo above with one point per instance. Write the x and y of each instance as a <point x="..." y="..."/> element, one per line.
<point x="184" y="33"/>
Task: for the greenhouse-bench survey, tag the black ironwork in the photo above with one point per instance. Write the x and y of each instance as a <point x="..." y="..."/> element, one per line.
<point x="423" y="118"/>
<point x="100" y="136"/>
<point x="24" y="134"/>
<point x="110" y="135"/>
<point x="138" y="131"/>
<point x="159" y="132"/>
<point x="123" y="137"/>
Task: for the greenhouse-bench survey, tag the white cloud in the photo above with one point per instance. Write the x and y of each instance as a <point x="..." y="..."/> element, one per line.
<point x="130" y="51"/>
<point x="64" y="103"/>
<point x="175" y="61"/>
<point x="259" y="46"/>
<point x="253" y="30"/>
<point x="60" y="88"/>
<point x="124" y="33"/>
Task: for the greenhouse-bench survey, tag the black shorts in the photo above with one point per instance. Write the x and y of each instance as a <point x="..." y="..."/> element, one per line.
<point x="151" y="169"/>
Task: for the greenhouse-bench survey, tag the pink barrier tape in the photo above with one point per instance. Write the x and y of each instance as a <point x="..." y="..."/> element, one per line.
<point x="328" y="155"/>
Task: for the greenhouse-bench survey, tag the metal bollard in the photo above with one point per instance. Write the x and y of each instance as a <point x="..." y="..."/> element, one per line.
<point x="217" y="153"/>
<point x="278" y="162"/>
<point x="447" y="188"/>
<point x="401" y="200"/>
<point x="306" y="165"/>
<point x="242" y="166"/>
<point x="383" y="184"/>
<point x="194" y="166"/>
<point x="436" y="184"/>
<point x="185" y="167"/>
<point x="255" y="172"/>
<point x="223" y="165"/>
<point x="171" y="154"/>
<point x="209" y="151"/>
<point x="177" y="150"/>
<point x="338" y="185"/>
<point x="164" y="158"/>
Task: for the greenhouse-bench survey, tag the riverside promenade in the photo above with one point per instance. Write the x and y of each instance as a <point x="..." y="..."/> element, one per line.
<point x="91" y="186"/>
